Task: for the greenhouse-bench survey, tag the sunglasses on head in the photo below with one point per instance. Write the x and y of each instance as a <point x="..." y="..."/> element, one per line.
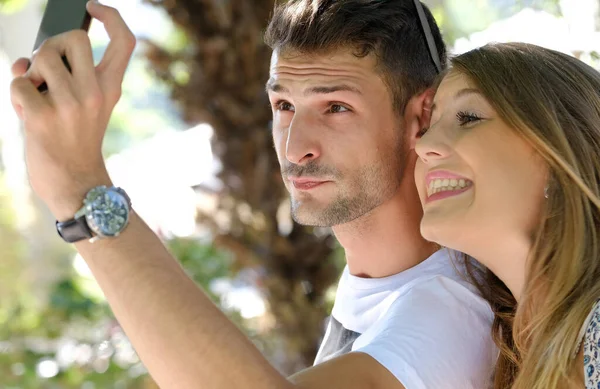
<point x="428" y="36"/>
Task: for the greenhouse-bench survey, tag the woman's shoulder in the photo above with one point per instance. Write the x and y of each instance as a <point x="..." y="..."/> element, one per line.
<point x="590" y="336"/>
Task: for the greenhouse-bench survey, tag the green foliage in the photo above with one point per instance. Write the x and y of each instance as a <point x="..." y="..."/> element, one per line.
<point x="202" y="262"/>
<point x="144" y="110"/>
<point x="459" y="18"/>
<point x="73" y="327"/>
<point x="551" y="6"/>
<point x="11" y="251"/>
<point x="70" y="330"/>
<point x="11" y="6"/>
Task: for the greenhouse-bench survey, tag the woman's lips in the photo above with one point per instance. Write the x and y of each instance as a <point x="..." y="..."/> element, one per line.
<point x="447" y="193"/>
<point x="440" y="184"/>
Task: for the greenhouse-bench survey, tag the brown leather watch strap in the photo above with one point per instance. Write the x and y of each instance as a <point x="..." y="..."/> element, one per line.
<point x="74" y="230"/>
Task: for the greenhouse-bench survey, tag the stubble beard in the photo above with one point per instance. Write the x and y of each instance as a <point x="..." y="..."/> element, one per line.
<point x="358" y="194"/>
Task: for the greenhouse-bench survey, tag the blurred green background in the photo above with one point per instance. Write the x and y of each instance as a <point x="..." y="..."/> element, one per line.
<point x="190" y="141"/>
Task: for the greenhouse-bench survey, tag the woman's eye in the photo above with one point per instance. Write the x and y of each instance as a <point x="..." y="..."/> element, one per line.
<point x="283" y="106"/>
<point x="465" y="118"/>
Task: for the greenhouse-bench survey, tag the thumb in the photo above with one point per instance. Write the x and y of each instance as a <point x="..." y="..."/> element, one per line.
<point x="19" y="68"/>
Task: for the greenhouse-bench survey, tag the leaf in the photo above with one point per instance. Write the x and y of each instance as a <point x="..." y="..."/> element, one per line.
<point x="11" y="6"/>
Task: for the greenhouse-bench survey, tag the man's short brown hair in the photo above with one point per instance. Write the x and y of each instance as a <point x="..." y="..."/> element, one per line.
<point x="389" y="29"/>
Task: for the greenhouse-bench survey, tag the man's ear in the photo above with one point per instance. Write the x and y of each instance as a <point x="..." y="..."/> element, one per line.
<point x="418" y="115"/>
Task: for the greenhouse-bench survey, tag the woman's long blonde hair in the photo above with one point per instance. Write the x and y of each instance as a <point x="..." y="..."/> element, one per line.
<point x="552" y="100"/>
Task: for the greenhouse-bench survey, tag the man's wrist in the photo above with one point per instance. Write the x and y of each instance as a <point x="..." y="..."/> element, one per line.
<point x="66" y="203"/>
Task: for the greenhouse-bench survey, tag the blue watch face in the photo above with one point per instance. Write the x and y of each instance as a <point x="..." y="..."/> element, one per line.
<point x="107" y="211"/>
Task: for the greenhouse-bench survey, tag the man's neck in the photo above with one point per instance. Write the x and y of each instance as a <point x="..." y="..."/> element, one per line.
<point x="387" y="240"/>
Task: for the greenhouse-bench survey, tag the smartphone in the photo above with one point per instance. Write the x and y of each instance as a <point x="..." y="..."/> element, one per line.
<point x="61" y="16"/>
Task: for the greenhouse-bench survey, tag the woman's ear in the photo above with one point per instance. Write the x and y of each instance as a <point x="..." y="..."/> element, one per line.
<point x="418" y="115"/>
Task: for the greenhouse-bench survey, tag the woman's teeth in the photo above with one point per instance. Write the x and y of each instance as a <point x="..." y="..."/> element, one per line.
<point x="447" y="184"/>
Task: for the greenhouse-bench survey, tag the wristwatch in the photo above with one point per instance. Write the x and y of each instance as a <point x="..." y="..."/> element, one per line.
<point x="105" y="214"/>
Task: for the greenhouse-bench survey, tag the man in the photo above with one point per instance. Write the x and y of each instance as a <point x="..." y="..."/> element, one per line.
<point x="349" y="90"/>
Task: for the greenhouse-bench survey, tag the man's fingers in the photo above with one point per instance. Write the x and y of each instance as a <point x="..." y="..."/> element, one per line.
<point x="118" y="53"/>
<point x="49" y="67"/>
<point x="19" y="68"/>
<point x="26" y="100"/>
<point x="78" y="49"/>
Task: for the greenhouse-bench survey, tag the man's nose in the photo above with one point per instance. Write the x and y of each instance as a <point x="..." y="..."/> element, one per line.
<point x="303" y="140"/>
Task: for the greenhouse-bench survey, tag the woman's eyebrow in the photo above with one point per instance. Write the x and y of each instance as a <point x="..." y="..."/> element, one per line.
<point x="461" y="93"/>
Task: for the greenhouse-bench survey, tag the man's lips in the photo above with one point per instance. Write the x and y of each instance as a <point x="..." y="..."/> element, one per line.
<point x="306" y="183"/>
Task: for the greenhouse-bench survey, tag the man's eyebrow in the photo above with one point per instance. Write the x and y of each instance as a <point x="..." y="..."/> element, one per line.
<point x="273" y="86"/>
<point x="331" y="89"/>
<point x="459" y="94"/>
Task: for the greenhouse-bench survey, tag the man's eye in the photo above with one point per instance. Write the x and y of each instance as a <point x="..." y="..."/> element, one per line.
<point x="283" y="106"/>
<point x="337" y="108"/>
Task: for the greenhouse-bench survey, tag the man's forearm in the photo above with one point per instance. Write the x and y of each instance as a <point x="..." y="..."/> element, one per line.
<point x="181" y="336"/>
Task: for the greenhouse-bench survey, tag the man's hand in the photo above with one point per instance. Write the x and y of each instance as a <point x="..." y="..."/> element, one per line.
<point x="64" y="127"/>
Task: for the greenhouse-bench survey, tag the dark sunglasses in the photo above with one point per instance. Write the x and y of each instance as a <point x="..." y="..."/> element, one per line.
<point x="428" y="36"/>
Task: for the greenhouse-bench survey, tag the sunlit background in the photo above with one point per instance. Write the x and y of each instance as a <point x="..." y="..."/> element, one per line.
<point x="56" y="330"/>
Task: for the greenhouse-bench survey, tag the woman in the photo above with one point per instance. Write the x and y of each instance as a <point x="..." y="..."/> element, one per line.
<point x="509" y="173"/>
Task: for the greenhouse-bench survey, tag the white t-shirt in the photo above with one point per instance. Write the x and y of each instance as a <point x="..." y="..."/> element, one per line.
<point x="427" y="325"/>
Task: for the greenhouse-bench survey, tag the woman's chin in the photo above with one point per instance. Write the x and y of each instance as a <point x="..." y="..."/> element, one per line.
<point x="440" y="232"/>
<point x="429" y="231"/>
